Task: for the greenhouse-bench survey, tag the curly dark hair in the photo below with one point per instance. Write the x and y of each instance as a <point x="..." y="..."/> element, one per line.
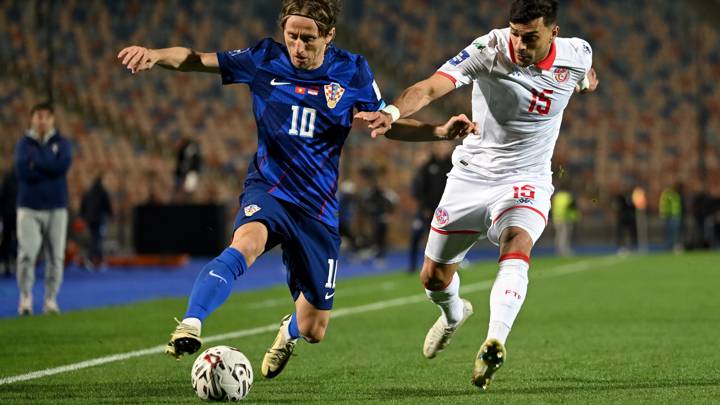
<point x="323" y="12"/>
<point x="524" y="11"/>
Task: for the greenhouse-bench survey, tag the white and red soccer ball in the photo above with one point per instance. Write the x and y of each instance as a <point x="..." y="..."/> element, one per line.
<point x="222" y="373"/>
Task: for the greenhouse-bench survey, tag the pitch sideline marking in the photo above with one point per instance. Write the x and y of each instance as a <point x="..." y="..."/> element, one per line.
<point x="410" y="299"/>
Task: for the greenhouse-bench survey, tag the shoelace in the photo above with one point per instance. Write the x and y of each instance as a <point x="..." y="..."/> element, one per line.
<point x="284" y="351"/>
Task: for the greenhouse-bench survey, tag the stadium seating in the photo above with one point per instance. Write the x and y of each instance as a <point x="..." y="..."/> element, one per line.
<point x="658" y="93"/>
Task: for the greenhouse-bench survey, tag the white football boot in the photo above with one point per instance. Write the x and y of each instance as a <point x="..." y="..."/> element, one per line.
<point x="25" y="304"/>
<point x="51" y="307"/>
<point x="439" y="335"/>
<point x="278" y="355"/>
<point x="185" y="339"/>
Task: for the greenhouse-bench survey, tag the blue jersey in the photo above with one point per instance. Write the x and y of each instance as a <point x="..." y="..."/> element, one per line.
<point x="303" y="118"/>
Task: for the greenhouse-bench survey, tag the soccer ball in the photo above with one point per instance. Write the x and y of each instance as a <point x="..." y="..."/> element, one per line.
<point x="222" y="373"/>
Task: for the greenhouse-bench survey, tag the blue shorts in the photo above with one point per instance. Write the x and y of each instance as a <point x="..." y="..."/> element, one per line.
<point x="310" y="247"/>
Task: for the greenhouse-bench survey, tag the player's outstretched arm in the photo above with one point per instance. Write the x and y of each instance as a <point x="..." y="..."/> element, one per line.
<point x="138" y="58"/>
<point x="410" y="101"/>
<point x="409" y="130"/>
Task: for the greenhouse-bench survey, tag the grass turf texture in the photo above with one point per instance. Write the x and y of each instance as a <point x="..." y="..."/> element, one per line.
<point x="643" y="329"/>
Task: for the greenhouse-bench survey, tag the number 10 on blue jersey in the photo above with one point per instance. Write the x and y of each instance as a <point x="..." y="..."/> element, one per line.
<point x="307" y="122"/>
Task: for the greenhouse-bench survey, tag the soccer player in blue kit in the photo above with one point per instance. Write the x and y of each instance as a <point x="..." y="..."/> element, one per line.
<point x="304" y="93"/>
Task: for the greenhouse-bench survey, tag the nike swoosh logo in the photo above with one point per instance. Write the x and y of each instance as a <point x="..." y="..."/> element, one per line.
<point x="328" y="295"/>
<point x="276" y="83"/>
<point x="212" y="274"/>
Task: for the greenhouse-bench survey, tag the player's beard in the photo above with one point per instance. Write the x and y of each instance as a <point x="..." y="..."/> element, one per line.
<point x="524" y="59"/>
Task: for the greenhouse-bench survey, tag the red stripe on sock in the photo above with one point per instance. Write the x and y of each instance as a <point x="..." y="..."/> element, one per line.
<point x="518" y="256"/>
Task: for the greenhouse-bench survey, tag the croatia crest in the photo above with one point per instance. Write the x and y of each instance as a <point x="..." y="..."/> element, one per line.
<point x="251" y="209"/>
<point x="333" y="94"/>
<point x="561" y="75"/>
<point x="441" y="216"/>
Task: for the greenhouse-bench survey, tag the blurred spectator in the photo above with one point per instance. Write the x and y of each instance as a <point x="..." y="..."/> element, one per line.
<point x="42" y="160"/>
<point x="702" y="219"/>
<point x="427" y="189"/>
<point x="671" y="213"/>
<point x="639" y="200"/>
<point x="188" y="165"/>
<point x="377" y="205"/>
<point x="626" y="221"/>
<point x="564" y="216"/>
<point x="347" y="198"/>
<point x="8" y="205"/>
<point x="95" y="210"/>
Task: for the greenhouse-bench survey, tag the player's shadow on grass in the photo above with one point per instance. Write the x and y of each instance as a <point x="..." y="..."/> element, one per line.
<point x="583" y="385"/>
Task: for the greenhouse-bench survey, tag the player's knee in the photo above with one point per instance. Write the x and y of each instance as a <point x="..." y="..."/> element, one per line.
<point x="516" y="239"/>
<point x="433" y="278"/>
<point x="250" y="240"/>
<point x="249" y="248"/>
<point x="312" y="332"/>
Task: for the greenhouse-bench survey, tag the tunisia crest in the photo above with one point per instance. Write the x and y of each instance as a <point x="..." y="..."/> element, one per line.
<point x="562" y="74"/>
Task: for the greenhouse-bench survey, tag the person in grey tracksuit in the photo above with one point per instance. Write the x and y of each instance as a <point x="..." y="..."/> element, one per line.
<point x="42" y="159"/>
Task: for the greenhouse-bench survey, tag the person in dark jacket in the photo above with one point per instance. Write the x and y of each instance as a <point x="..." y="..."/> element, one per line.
<point x="187" y="168"/>
<point x="625" y="213"/>
<point x="377" y="205"/>
<point x="42" y="160"/>
<point x="427" y="189"/>
<point x="8" y="208"/>
<point x="95" y="210"/>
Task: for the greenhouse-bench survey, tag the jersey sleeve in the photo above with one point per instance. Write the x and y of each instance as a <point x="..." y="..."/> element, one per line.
<point x="241" y="65"/>
<point x="583" y="52"/>
<point x="473" y="61"/>
<point x="369" y="97"/>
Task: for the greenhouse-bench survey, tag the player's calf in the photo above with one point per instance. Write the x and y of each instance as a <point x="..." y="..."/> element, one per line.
<point x="311" y="330"/>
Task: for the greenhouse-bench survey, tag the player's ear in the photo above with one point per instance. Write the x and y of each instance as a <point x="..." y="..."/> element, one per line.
<point x="330" y="35"/>
<point x="555" y="31"/>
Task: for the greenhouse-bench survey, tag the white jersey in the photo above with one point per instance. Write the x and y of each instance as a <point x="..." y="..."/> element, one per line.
<point x="518" y="109"/>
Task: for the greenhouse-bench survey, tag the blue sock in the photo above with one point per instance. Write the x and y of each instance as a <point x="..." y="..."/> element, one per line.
<point x="214" y="283"/>
<point x="293" y="328"/>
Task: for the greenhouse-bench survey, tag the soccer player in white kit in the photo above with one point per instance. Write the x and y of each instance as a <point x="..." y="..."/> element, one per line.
<point x="501" y="183"/>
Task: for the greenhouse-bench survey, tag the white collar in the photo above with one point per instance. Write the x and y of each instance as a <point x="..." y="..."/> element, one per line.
<point x="34" y="135"/>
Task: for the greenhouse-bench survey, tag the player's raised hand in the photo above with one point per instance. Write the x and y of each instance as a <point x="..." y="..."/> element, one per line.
<point x="137" y="58"/>
<point x="456" y="127"/>
<point x="589" y="84"/>
<point x="593" y="79"/>
<point x="378" y="121"/>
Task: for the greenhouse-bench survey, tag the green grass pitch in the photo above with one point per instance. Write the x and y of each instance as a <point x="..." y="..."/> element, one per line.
<point x="639" y="329"/>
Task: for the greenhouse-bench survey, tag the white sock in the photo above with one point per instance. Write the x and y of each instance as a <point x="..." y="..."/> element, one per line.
<point x="285" y="330"/>
<point x="507" y="296"/>
<point x="448" y="299"/>
<point x="193" y="322"/>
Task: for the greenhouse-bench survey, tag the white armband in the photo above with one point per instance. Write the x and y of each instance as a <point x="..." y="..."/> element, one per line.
<point x="393" y="111"/>
<point x="584" y="84"/>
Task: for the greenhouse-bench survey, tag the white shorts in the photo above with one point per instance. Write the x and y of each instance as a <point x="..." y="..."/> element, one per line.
<point x="471" y="209"/>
